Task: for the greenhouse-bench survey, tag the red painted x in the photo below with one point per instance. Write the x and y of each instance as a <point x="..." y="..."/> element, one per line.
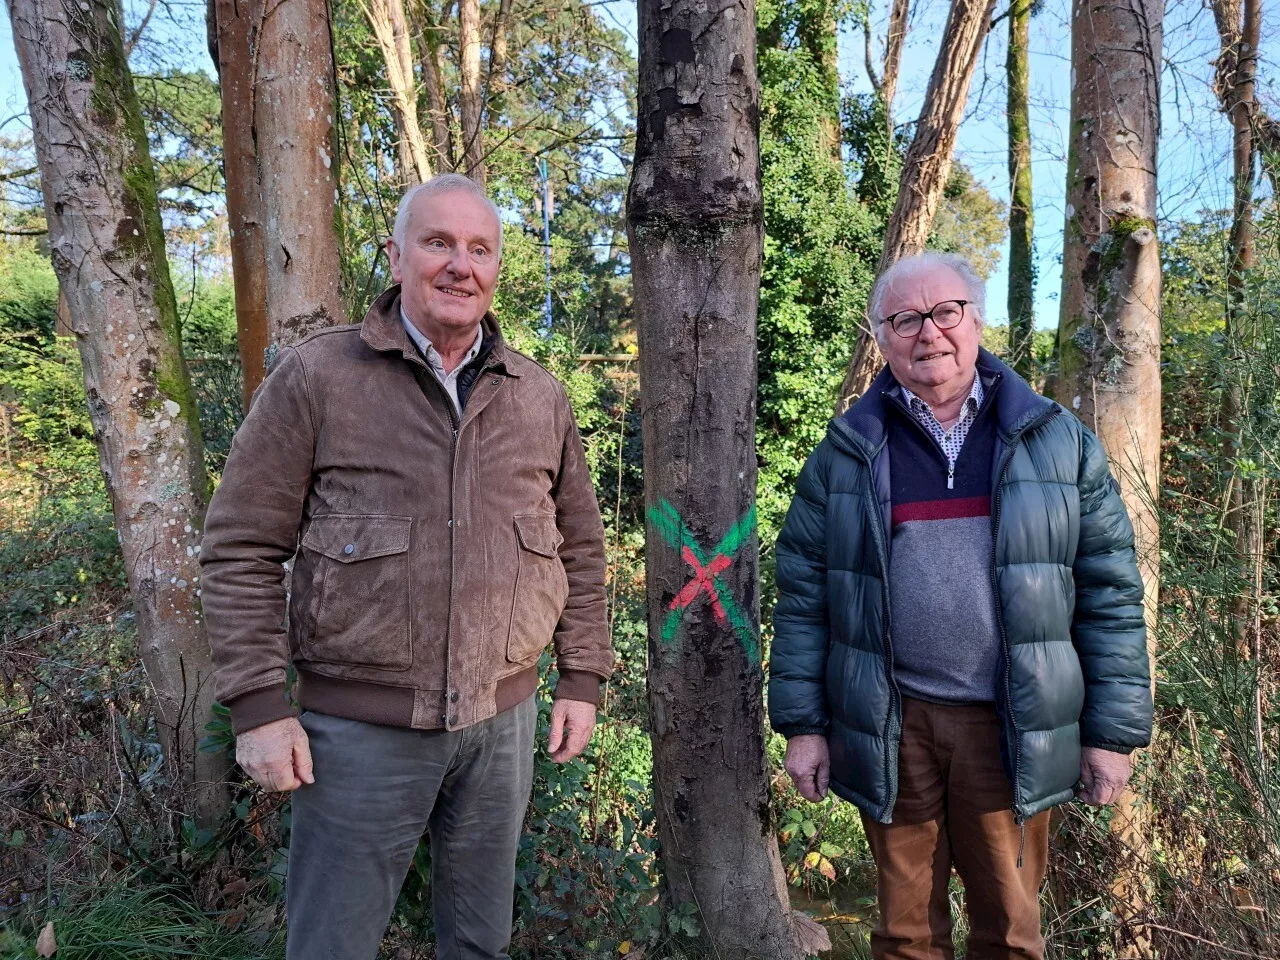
<point x="703" y="579"/>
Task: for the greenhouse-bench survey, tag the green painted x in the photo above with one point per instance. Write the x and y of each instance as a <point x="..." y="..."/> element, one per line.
<point x="668" y="523"/>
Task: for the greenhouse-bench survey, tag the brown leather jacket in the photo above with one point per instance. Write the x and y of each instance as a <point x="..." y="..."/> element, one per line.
<point x="434" y="560"/>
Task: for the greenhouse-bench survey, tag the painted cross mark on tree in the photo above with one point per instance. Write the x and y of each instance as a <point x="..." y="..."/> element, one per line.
<point x="706" y="574"/>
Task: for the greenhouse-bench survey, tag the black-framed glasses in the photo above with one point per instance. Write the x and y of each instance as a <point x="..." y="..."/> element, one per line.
<point x="945" y="315"/>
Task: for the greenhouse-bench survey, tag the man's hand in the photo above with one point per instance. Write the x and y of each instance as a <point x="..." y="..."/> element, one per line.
<point x="571" y="724"/>
<point x="809" y="764"/>
<point x="1103" y="775"/>
<point x="277" y="755"/>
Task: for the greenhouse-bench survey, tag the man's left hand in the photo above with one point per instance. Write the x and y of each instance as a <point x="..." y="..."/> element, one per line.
<point x="1103" y="774"/>
<point x="571" y="724"/>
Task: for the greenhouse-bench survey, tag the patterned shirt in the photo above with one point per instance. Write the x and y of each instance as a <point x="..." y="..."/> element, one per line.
<point x="429" y="353"/>
<point x="949" y="440"/>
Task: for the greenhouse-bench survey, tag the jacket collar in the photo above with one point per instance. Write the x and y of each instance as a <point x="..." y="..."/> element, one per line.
<point x="862" y="426"/>
<point x="382" y="330"/>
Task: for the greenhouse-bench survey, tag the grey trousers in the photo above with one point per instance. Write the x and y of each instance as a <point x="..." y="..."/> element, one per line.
<point x="356" y="828"/>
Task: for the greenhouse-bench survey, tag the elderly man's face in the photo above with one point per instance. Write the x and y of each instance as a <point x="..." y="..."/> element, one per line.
<point x="933" y="363"/>
<point x="448" y="267"/>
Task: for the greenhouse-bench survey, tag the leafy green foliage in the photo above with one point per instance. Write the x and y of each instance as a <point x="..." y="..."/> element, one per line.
<point x="821" y="247"/>
<point x="28" y="293"/>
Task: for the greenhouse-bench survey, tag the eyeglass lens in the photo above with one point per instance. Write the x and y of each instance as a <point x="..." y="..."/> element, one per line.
<point x="945" y="315"/>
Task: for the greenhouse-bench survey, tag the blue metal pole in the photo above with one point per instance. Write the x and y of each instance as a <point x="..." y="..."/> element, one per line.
<point x="546" y="237"/>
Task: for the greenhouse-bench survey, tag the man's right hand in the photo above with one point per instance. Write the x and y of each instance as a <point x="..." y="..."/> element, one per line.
<point x="809" y="764"/>
<point x="277" y="755"/>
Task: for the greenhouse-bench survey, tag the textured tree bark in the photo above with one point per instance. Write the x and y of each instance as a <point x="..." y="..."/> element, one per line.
<point x="497" y="76"/>
<point x="694" y="220"/>
<point x="391" y="30"/>
<point x="927" y="165"/>
<point x="1109" y="326"/>
<point x="1239" y="28"/>
<point x="470" y="95"/>
<point x="433" y="80"/>
<point x="1021" y="264"/>
<point x="897" y="36"/>
<point x="236" y="23"/>
<point x="107" y="246"/>
<point x="294" y="110"/>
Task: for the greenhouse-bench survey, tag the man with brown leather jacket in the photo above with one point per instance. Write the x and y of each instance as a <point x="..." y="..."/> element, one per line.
<point x="430" y="485"/>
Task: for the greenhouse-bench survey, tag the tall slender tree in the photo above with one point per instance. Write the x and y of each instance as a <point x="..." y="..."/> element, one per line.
<point x="234" y="28"/>
<point x="431" y="52"/>
<point x="296" y="140"/>
<point x="1239" y="28"/>
<point x="886" y="84"/>
<point x="390" y="27"/>
<point x="107" y="246"/>
<point x="1021" y="223"/>
<point x="694" y="222"/>
<point x="816" y="31"/>
<point x="1109" y="326"/>
<point x="471" y="92"/>
<point x="927" y="164"/>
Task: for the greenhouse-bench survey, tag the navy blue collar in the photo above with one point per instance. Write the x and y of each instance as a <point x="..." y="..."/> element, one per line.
<point x="1016" y="404"/>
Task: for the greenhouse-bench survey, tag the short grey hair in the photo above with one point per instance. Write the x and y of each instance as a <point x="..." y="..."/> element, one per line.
<point x="914" y="266"/>
<point x="441" y="183"/>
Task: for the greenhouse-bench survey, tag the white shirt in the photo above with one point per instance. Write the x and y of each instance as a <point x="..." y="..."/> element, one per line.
<point x="436" y="363"/>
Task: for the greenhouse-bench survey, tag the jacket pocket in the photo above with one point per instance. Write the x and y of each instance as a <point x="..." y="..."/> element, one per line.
<point x="361" y="591"/>
<point x="541" y="589"/>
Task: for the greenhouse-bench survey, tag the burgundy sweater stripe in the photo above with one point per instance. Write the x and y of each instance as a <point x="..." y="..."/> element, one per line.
<point x="941" y="509"/>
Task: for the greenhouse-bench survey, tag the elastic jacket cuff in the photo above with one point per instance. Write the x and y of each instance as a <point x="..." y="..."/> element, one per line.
<point x="800" y="731"/>
<point x="1109" y="747"/>
<point x="578" y="685"/>
<point x="258" y="707"/>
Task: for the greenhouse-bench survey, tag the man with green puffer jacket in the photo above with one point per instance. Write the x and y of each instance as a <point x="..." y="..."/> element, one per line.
<point x="959" y="637"/>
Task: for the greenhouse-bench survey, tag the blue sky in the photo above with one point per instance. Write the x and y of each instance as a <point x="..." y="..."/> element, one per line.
<point x="1194" y="169"/>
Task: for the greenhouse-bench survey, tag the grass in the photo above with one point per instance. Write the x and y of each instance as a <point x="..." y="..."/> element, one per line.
<point x="122" y="922"/>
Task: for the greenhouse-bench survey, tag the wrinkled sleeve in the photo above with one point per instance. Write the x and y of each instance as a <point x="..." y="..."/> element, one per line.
<point x="797" y="662"/>
<point x="584" y="653"/>
<point x="251" y="530"/>
<point x="1108" y="629"/>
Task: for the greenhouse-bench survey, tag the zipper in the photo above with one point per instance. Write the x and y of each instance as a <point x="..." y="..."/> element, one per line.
<point x="423" y="376"/>
<point x="895" y="694"/>
<point x="995" y="593"/>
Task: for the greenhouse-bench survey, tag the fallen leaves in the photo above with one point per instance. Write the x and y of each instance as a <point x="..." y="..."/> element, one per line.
<point x="46" y="943"/>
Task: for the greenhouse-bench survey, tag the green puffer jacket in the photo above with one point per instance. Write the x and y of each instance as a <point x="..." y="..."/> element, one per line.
<point x="1075" y="669"/>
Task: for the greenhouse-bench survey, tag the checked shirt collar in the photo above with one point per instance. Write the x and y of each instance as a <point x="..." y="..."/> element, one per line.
<point x="950" y="441"/>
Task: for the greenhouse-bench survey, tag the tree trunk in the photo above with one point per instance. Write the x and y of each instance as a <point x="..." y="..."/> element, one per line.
<point x="927" y="165"/>
<point x="897" y="36"/>
<point x="294" y="110"/>
<point x="694" y="219"/>
<point x="433" y="80"/>
<point x="236" y="28"/>
<point x="816" y="32"/>
<point x="391" y="29"/>
<point x="1021" y="264"/>
<point x="497" y="77"/>
<point x="107" y="246"/>
<point x="1109" y="327"/>
<point x="1238" y="30"/>
<point x="470" y="96"/>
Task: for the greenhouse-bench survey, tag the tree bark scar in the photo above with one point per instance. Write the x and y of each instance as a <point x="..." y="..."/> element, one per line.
<point x="677" y="47"/>
<point x="669" y="104"/>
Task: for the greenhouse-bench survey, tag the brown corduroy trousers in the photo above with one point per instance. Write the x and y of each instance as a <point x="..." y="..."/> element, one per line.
<point x="954" y="810"/>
